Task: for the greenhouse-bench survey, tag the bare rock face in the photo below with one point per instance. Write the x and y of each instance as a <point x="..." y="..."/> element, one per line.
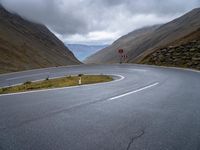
<point x="27" y="45"/>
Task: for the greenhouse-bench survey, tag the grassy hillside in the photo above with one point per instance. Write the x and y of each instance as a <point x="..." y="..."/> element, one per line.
<point x="26" y="45"/>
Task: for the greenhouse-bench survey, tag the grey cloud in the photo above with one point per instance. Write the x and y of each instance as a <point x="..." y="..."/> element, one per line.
<point x="49" y="12"/>
<point x="153" y="6"/>
<point x="69" y="17"/>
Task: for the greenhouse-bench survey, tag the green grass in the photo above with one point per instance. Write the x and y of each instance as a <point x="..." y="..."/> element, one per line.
<point x="56" y="83"/>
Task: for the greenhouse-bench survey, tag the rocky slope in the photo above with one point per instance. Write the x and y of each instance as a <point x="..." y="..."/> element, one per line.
<point x="27" y="45"/>
<point x="182" y="53"/>
<point x="140" y="45"/>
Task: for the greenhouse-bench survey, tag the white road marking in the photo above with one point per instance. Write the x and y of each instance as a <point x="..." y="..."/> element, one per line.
<point x="31" y="75"/>
<point x="49" y="68"/>
<point x="135" y="91"/>
<point x="138" y="70"/>
<point x="165" y="67"/>
<point x="70" y="87"/>
<point x="32" y="81"/>
<point x="120" y="77"/>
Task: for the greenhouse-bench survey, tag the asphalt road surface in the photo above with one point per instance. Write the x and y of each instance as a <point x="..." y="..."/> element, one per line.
<point x="145" y="108"/>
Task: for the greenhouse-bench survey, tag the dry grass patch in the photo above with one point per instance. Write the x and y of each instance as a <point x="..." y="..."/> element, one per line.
<point x="56" y="83"/>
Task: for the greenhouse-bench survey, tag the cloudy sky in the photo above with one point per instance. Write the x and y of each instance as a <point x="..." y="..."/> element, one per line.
<point x="98" y="21"/>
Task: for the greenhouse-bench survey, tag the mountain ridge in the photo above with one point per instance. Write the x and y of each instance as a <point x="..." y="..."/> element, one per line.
<point x="145" y="43"/>
<point x="111" y="52"/>
<point x="193" y="17"/>
<point x="26" y="45"/>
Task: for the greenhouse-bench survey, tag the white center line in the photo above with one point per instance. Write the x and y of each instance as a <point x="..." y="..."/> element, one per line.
<point x="135" y="91"/>
<point x="138" y="70"/>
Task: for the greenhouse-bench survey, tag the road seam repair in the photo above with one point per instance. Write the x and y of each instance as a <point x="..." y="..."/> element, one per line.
<point x="135" y="91"/>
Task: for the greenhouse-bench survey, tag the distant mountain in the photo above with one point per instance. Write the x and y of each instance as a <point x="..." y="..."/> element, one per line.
<point x="27" y="45"/>
<point x="138" y="45"/>
<point x="82" y="51"/>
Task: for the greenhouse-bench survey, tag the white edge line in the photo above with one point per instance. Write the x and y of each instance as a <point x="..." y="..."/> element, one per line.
<point x="38" y="69"/>
<point x="121" y="78"/>
<point x="135" y="91"/>
<point x="69" y="87"/>
<point x="34" y="81"/>
<point x="169" y="67"/>
<point x="31" y="75"/>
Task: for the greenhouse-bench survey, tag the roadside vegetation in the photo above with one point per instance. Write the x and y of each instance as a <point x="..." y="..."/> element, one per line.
<point x="56" y="83"/>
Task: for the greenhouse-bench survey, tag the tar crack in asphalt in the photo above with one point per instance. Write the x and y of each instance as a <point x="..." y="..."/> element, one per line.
<point x="135" y="138"/>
